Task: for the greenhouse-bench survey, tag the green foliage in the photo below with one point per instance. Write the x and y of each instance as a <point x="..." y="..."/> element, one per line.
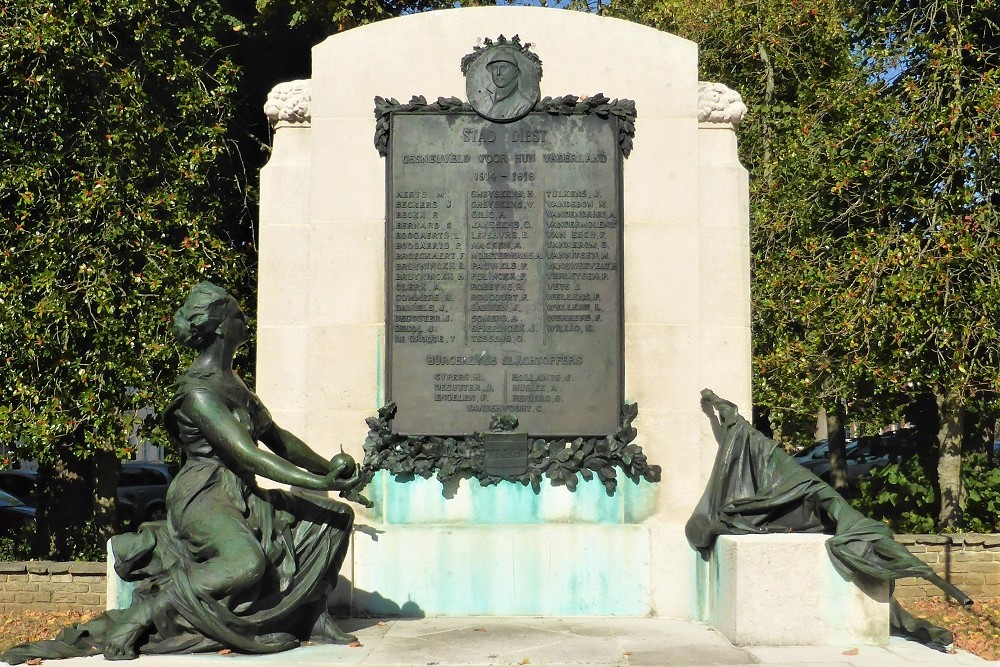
<point x="901" y="495"/>
<point x="132" y="134"/>
<point x="873" y="145"/>
<point x="981" y="481"/>
<point x="119" y="192"/>
<point x="16" y="545"/>
<point x="338" y="15"/>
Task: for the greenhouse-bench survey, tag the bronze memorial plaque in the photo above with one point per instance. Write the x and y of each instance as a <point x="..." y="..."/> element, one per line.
<point x="504" y="273"/>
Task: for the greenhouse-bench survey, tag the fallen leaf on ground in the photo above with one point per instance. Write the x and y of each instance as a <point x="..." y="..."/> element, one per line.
<point x="479" y="629"/>
<point x="626" y="653"/>
<point x="976" y="630"/>
<point x="850" y="651"/>
<point x="355" y="645"/>
<point x="34" y="661"/>
<point x="381" y="624"/>
<point x="526" y="661"/>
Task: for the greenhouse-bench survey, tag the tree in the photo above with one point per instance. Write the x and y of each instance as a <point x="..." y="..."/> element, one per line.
<point x="926" y="181"/>
<point x="119" y="193"/>
<point x="133" y="135"/>
<point x="872" y="146"/>
<point x="794" y="65"/>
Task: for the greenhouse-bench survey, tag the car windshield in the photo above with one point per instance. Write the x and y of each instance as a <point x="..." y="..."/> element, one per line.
<point x="813" y="450"/>
<point x="7" y="500"/>
<point x="821" y="450"/>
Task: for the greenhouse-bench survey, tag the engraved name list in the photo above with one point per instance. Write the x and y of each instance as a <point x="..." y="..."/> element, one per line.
<point x="504" y="273"/>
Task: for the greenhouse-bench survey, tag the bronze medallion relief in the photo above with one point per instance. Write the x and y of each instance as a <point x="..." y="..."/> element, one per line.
<point x="502" y="79"/>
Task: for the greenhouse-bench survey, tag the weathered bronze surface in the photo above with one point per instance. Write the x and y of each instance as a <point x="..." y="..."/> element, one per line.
<point x="506" y="454"/>
<point x="504" y="247"/>
<point x="756" y="488"/>
<point x="501" y="79"/>
<point x="234" y="566"/>
<point x="563" y="461"/>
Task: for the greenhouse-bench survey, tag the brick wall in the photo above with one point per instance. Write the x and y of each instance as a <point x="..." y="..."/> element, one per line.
<point x="50" y="586"/>
<point x="971" y="561"/>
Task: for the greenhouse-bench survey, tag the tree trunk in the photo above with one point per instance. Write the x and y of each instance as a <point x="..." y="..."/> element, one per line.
<point x="951" y="412"/>
<point x="64" y="504"/>
<point x="821" y="426"/>
<point x="995" y="437"/>
<point x="106" y="471"/>
<point x="837" y="442"/>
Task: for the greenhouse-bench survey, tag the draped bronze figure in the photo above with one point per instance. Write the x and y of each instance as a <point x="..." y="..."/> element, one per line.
<point x="233" y="566"/>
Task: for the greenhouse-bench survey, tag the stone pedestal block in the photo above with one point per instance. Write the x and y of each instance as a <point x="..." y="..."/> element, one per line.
<point x="782" y="590"/>
<point x="525" y="570"/>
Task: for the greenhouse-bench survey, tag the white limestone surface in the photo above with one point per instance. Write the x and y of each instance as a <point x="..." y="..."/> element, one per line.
<point x="321" y="319"/>
<point x="782" y="590"/>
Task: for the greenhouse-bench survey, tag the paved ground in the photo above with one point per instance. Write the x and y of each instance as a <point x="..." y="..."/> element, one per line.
<point x="553" y="642"/>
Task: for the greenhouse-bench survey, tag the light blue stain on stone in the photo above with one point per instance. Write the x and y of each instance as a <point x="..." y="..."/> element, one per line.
<point x="119" y="591"/>
<point x="419" y="500"/>
<point x="506" y="502"/>
<point x="568" y="570"/>
<point x="640" y="499"/>
<point x="702" y="570"/>
<point x="375" y="492"/>
<point x="427" y="501"/>
<point x="601" y="574"/>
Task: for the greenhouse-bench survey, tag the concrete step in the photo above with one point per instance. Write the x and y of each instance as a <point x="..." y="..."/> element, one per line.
<point x="555" y="642"/>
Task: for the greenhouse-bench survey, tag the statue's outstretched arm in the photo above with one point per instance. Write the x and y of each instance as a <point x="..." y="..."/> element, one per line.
<point x="231" y="439"/>
<point x="291" y="448"/>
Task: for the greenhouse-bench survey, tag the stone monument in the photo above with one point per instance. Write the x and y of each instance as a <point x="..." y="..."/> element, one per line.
<point x="569" y="281"/>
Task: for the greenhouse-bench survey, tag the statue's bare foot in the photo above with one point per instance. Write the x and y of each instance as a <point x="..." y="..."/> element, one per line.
<point x="121" y="641"/>
<point x="326" y="630"/>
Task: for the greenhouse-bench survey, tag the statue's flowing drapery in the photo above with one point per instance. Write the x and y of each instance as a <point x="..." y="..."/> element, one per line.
<point x="756" y="488"/>
<point x="303" y="537"/>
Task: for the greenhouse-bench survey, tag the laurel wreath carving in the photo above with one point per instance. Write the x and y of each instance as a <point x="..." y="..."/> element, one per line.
<point x="598" y="105"/>
<point x="564" y="462"/>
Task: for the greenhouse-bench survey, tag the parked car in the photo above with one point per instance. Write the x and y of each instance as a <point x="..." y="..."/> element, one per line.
<point x="14" y="514"/>
<point x="860" y="459"/>
<point x="142" y="489"/>
<point x="21" y="484"/>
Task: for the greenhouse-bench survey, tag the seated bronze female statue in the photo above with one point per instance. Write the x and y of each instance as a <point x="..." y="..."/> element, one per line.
<point x="233" y="566"/>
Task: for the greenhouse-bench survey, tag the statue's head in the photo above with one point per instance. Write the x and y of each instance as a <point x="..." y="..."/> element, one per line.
<point x="197" y="322"/>
<point x="503" y="67"/>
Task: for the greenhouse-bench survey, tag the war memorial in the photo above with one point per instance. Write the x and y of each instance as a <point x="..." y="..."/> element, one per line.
<point x="498" y="272"/>
<point x="552" y="265"/>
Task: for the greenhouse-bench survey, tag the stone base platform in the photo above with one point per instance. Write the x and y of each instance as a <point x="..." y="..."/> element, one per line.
<point x="553" y="642"/>
<point x="782" y="590"/>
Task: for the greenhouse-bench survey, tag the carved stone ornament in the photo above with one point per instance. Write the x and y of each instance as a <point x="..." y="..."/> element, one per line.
<point x="718" y="103"/>
<point x="564" y="462"/>
<point x="501" y="79"/>
<point x="289" y="102"/>
<point x="599" y="105"/>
